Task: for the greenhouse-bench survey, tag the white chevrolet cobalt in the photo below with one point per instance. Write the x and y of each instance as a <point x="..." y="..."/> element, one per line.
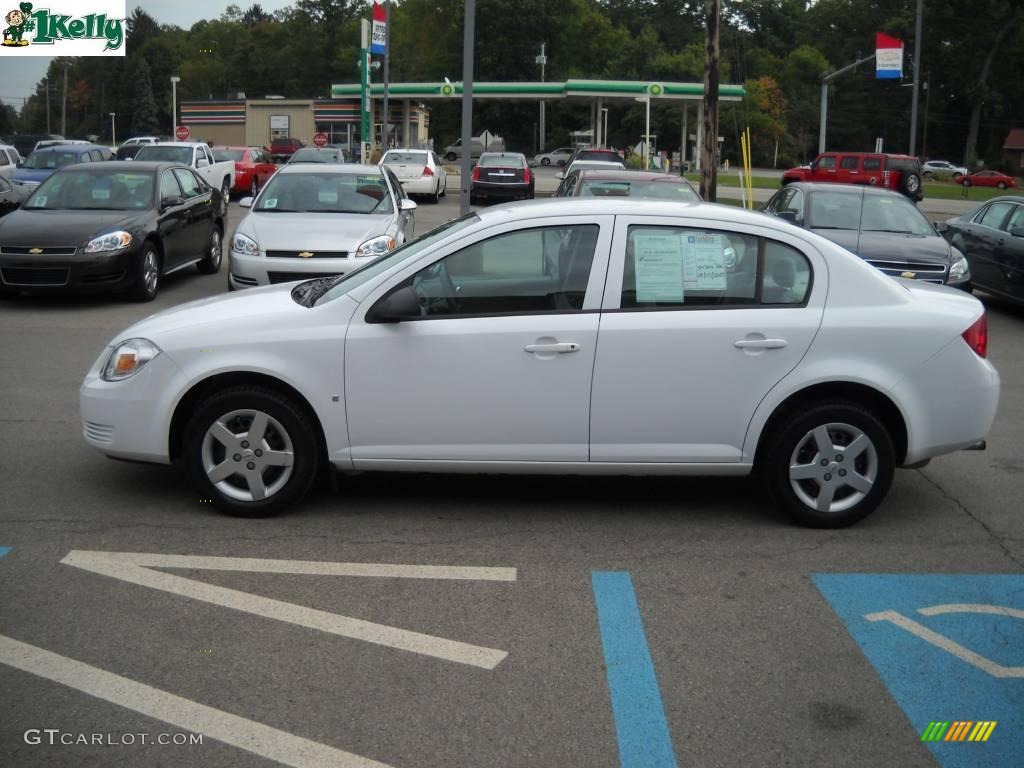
<point x="570" y="336"/>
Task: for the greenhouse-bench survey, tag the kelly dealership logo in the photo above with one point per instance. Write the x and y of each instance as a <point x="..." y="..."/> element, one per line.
<point x="45" y="32"/>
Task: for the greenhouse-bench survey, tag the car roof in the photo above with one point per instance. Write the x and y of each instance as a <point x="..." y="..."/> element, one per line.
<point x="502" y="154"/>
<point x="128" y="165"/>
<point x="610" y="206"/>
<point x="611" y="174"/>
<point x="84" y="147"/>
<point x="825" y="186"/>
<point x="370" y="170"/>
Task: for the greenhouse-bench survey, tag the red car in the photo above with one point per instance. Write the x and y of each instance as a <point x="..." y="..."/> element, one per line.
<point x="253" y="167"/>
<point x="988" y="179"/>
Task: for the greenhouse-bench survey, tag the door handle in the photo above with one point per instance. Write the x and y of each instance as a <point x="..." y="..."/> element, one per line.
<point x="760" y="343"/>
<point x="558" y="347"/>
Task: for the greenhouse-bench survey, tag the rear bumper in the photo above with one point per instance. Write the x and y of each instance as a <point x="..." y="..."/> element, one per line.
<point x="490" y="190"/>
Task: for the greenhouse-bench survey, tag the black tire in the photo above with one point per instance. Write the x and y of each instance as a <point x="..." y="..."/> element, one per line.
<point x="1001" y="185"/>
<point x="210" y="265"/>
<point x="792" y="443"/>
<point x="225" y="195"/>
<point x="910" y="184"/>
<point x="298" y="428"/>
<point x="957" y="177"/>
<point x="147" y="281"/>
<point x="451" y="157"/>
<point x="545" y="161"/>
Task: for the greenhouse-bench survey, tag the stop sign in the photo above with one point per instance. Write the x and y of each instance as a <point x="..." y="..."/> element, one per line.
<point x="320" y="139"/>
<point x="182" y="133"/>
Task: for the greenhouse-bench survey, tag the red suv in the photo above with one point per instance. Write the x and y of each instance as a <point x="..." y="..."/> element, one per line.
<point x="901" y="173"/>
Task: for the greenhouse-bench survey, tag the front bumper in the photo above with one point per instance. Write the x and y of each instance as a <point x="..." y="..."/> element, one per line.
<point x="484" y="189"/>
<point x="251" y="271"/>
<point x="78" y="273"/>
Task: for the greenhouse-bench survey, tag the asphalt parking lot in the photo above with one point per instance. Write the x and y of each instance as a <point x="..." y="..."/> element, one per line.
<point x="559" y="621"/>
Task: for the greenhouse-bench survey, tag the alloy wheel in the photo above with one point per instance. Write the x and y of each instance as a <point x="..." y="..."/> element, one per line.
<point x="150" y="271"/>
<point x="833" y="467"/>
<point x="248" y="455"/>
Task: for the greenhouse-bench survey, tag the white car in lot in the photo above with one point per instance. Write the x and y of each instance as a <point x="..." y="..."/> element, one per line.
<point x="419" y="170"/>
<point x="558" y="156"/>
<point x="573" y="336"/>
<point x="943" y="168"/>
<point x="317" y="220"/>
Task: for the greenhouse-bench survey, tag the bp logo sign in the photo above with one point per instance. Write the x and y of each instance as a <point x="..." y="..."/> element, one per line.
<point x="655" y="89"/>
<point x="42" y="32"/>
<point x="447" y="89"/>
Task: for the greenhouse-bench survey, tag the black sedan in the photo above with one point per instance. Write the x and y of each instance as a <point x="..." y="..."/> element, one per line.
<point x="501" y="176"/>
<point x="992" y="238"/>
<point x="12" y="195"/>
<point x="117" y="226"/>
<point x="881" y="226"/>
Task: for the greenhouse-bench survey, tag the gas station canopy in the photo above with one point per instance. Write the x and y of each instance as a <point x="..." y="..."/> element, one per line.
<point x="570" y="89"/>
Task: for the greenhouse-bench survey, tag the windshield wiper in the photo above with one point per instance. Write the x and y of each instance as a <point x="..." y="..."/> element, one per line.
<point x="896" y="231"/>
<point x="336" y="210"/>
<point x="278" y="210"/>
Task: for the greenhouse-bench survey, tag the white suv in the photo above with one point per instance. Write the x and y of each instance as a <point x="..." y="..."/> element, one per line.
<point x="942" y="168"/>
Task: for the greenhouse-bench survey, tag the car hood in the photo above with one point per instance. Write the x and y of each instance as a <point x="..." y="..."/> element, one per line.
<point x="268" y="307"/>
<point x="314" y="231"/>
<point x="888" y="245"/>
<point x="32" y="174"/>
<point x="61" y="228"/>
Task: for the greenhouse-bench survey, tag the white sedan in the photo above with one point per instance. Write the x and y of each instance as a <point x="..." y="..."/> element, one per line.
<point x="591" y="336"/>
<point x="558" y="156"/>
<point x="318" y="220"/>
<point x="419" y="170"/>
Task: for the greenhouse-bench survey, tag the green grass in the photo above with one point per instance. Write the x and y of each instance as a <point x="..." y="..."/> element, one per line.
<point x="733" y="180"/>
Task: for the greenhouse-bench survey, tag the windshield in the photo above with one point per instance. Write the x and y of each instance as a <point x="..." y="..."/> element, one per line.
<point x="346" y="283"/>
<point x="311" y="155"/>
<point x="867" y="212"/>
<point x="94" y="190"/>
<point x="417" y="158"/>
<point x="166" y="154"/>
<point x="326" y="193"/>
<point x="234" y="155"/>
<point x="674" y="189"/>
<point x="502" y="161"/>
<point x="50" y="159"/>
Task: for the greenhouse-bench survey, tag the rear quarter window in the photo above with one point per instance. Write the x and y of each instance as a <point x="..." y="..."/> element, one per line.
<point x="904" y="164"/>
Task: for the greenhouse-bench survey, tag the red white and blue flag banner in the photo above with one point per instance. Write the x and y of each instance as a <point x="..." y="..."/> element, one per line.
<point x="378" y="38"/>
<point x="888" y="57"/>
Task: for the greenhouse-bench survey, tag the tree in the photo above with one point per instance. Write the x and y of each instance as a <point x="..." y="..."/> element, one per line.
<point x="144" y="117"/>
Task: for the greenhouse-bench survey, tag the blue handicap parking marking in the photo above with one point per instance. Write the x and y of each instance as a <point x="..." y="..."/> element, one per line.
<point x="4" y="551"/>
<point x="949" y="648"/>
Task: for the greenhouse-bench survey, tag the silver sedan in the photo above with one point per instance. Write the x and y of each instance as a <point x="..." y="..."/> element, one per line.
<point x="316" y="220"/>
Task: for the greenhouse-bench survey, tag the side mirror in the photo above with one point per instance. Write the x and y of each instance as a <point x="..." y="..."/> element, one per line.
<point x="170" y="202"/>
<point x="1017" y="230"/>
<point x="789" y="216"/>
<point x="401" y="305"/>
<point x="407" y="205"/>
<point x="246" y="202"/>
<point x="940" y="227"/>
<point x="202" y="162"/>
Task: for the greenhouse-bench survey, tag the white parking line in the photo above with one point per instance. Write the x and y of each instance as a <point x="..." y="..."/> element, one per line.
<point x="231" y="729"/>
<point x="136" y="569"/>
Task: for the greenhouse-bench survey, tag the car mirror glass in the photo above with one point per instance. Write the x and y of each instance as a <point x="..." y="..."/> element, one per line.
<point x="170" y="202"/>
<point x="401" y="305"/>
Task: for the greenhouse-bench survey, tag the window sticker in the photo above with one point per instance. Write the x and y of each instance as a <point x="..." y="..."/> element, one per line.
<point x="39" y="201"/>
<point x="327" y="195"/>
<point x="704" y="263"/>
<point x="658" y="260"/>
<point x="271" y="203"/>
<point x="101" y="193"/>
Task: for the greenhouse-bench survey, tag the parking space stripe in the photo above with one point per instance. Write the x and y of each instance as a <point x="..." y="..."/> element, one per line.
<point x="4" y="551"/>
<point x="640" y="725"/>
<point x="240" y="732"/>
<point x="137" y="569"/>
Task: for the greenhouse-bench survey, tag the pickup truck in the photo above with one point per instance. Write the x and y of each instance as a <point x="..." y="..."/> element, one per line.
<point x="197" y="156"/>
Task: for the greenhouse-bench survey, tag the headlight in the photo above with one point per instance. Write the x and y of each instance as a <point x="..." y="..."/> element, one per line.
<point x="128" y="358"/>
<point x="244" y="245"/>
<point x="112" y="241"/>
<point x="376" y="246"/>
<point x="958" y="270"/>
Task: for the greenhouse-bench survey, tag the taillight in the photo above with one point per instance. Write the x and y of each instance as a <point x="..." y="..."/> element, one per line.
<point x="427" y="171"/>
<point x="476" y="173"/>
<point x="977" y="336"/>
<point x="526" y="176"/>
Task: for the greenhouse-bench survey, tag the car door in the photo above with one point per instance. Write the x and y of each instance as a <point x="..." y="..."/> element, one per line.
<point x="980" y="238"/>
<point x="173" y="221"/>
<point x="200" y="212"/>
<point x="824" y="168"/>
<point x="499" y="367"/>
<point x="406" y="219"/>
<point x="1009" y="253"/>
<point x="871" y="169"/>
<point x="265" y="166"/>
<point x="849" y="170"/>
<point x="698" y="324"/>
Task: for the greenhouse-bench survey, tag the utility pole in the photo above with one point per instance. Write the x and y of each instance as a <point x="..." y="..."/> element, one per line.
<point x="917" y="79"/>
<point x="387" y="73"/>
<point x="365" y="124"/>
<point x="927" y="100"/>
<point x="174" y="103"/>
<point x="64" y="106"/>
<point x="468" y="35"/>
<point x="825" y="80"/>
<point x="708" y="166"/>
<point x="47" y="105"/>
<point x="542" y="60"/>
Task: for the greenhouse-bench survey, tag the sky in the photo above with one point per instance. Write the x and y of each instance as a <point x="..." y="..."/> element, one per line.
<point x="21" y="75"/>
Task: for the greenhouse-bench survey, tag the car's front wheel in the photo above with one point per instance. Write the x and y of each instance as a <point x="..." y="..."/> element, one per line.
<point x="1001" y="185"/>
<point x="147" y="280"/>
<point x="251" y="450"/>
<point x="830" y="465"/>
<point x="545" y="161"/>
<point x="211" y="262"/>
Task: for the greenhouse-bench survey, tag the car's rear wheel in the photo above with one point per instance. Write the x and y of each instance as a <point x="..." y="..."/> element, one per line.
<point x="910" y="184"/>
<point x="251" y="450"/>
<point x="225" y="192"/>
<point x="829" y="465"/>
<point x="1001" y="185"/>
<point x="451" y="157"/>
<point x="545" y="161"/>
<point x="147" y="281"/>
<point x="214" y="251"/>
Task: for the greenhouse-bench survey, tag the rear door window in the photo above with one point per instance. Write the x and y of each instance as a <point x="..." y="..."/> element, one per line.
<point x="994" y="215"/>
<point x="849" y="163"/>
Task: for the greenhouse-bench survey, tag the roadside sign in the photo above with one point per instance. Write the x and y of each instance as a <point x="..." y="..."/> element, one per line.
<point x="181" y="133"/>
<point x="320" y="139"/>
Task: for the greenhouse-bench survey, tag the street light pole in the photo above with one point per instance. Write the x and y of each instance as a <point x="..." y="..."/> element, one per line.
<point x="604" y="127"/>
<point x="113" y="130"/>
<point x="917" y="79"/>
<point x="542" y="60"/>
<point x="47" y="105"/>
<point x="468" y="37"/>
<point x="64" y="106"/>
<point x="174" y="103"/>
